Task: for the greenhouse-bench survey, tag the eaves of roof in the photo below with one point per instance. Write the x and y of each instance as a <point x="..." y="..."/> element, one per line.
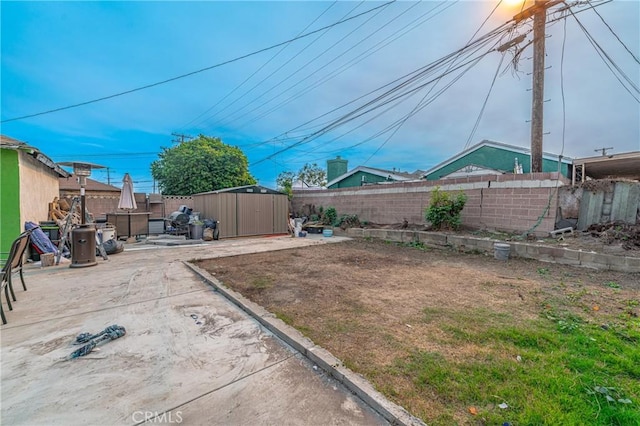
<point x="72" y="184"/>
<point x="498" y="145"/>
<point x="378" y="172"/>
<point x="7" y="142"/>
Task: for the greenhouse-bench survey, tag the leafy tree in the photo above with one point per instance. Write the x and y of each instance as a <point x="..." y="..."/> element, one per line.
<point x="200" y="165"/>
<point x="312" y="175"/>
<point x="285" y="183"/>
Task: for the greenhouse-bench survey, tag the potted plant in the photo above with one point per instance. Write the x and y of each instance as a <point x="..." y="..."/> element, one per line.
<point x="328" y="219"/>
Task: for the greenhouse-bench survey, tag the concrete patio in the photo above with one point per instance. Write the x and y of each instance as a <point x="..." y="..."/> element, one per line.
<point x="189" y="355"/>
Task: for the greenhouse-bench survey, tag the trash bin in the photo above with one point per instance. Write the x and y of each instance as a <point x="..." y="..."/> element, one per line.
<point x="501" y="251"/>
<point x="196" y="231"/>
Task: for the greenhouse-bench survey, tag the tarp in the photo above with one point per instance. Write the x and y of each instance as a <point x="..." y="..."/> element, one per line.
<point x="39" y="239"/>
<point x="127" y="200"/>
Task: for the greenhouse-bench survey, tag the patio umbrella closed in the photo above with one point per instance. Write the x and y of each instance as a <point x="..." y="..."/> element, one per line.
<point x="127" y="200"/>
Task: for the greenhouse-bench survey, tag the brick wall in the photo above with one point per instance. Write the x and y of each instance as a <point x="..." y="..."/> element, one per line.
<point x="512" y="203"/>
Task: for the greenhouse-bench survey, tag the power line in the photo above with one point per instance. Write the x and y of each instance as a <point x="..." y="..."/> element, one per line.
<point x="345" y="66"/>
<point x="189" y="74"/>
<point x="607" y="59"/>
<point x="360" y="111"/>
<point x="401" y="82"/>
<point x="484" y="104"/>
<point x="289" y="76"/>
<point x="260" y="69"/>
<point x="635" y="58"/>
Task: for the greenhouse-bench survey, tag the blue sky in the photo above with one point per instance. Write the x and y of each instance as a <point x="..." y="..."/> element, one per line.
<point x="56" y="54"/>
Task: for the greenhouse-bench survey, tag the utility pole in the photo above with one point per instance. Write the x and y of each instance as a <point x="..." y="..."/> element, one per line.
<point x="181" y="137"/>
<point x="539" y="13"/>
<point x="108" y="177"/>
<point x="537" y="104"/>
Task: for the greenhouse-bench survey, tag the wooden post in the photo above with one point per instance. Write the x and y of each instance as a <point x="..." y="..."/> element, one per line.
<point x="537" y="106"/>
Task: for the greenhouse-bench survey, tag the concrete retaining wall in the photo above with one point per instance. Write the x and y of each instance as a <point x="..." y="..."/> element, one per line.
<point x="529" y="251"/>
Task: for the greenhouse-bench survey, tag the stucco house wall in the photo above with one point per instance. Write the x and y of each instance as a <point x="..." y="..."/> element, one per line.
<point x="38" y="187"/>
<point x="29" y="181"/>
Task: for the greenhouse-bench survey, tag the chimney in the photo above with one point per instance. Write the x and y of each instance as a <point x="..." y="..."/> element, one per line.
<point x="335" y="168"/>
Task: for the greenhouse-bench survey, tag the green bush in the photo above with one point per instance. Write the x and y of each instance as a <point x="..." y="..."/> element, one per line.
<point x="348" y="221"/>
<point x="444" y="210"/>
<point x="329" y="216"/>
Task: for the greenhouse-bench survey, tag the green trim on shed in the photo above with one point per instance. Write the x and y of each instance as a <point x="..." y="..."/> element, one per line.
<point x="9" y="200"/>
<point x="496" y="158"/>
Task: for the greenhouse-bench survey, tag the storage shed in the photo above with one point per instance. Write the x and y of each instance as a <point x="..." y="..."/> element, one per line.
<point x="245" y="210"/>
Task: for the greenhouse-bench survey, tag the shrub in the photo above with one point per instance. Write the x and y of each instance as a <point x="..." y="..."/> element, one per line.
<point x="444" y="210"/>
<point x="348" y="221"/>
<point x="329" y="216"/>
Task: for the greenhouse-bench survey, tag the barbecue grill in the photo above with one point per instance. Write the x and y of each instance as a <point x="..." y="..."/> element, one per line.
<point x="179" y="222"/>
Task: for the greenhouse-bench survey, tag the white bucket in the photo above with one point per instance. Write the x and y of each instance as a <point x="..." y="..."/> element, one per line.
<point x="106" y="233"/>
<point x="501" y="251"/>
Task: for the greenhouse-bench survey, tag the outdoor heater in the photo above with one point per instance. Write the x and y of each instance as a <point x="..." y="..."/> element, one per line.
<point x="83" y="237"/>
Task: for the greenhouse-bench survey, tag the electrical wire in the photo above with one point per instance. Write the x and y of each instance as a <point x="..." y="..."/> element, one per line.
<point x="385" y="42"/>
<point x="189" y="74"/>
<point x="350" y="63"/>
<point x="225" y="117"/>
<point x="259" y="69"/>
<point x="407" y="79"/>
<point x="608" y="61"/>
<point x="484" y="105"/>
<point x="288" y="77"/>
<point x="635" y="58"/>
<point x="422" y="104"/>
<point x="368" y="107"/>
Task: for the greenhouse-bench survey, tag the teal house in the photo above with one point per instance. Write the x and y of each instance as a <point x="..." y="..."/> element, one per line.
<point x="339" y="177"/>
<point x="489" y="157"/>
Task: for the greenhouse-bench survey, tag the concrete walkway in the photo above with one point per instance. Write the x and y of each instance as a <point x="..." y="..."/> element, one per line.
<point x="189" y="355"/>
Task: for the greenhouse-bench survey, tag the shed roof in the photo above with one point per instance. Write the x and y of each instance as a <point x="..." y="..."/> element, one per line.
<point x="7" y="142"/>
<point x="625" y="165"/>
<point x="255" y="189"/>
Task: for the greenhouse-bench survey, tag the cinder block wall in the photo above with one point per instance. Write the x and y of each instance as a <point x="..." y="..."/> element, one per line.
<point x="512" y="203"/>
<point x="173" y="202"/>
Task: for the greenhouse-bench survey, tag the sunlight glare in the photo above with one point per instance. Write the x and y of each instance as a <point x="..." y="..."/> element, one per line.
<point x="511" y="3"/>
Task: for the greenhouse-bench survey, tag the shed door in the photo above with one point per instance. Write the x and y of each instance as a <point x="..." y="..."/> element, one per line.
<point x="255" y="214"/>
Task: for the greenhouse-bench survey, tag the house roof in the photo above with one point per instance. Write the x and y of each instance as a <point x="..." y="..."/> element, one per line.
<point x="498" y="145"/>
<point x="391" y="174"/>
<point x="256" y="189"/>
<point x="625" y="165"/>
<point x="71" y="184"/>
<point x="7" y="142"/>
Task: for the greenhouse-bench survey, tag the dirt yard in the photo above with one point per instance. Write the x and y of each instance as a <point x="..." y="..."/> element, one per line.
<point x="372" y="303"/>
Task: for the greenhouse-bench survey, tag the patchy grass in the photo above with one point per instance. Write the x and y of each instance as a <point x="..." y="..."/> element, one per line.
<point x="549" y="371"/>
<point x="461" y="338"/>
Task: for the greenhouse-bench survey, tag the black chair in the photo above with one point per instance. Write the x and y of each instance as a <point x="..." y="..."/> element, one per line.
<point x="12" y="266"/>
